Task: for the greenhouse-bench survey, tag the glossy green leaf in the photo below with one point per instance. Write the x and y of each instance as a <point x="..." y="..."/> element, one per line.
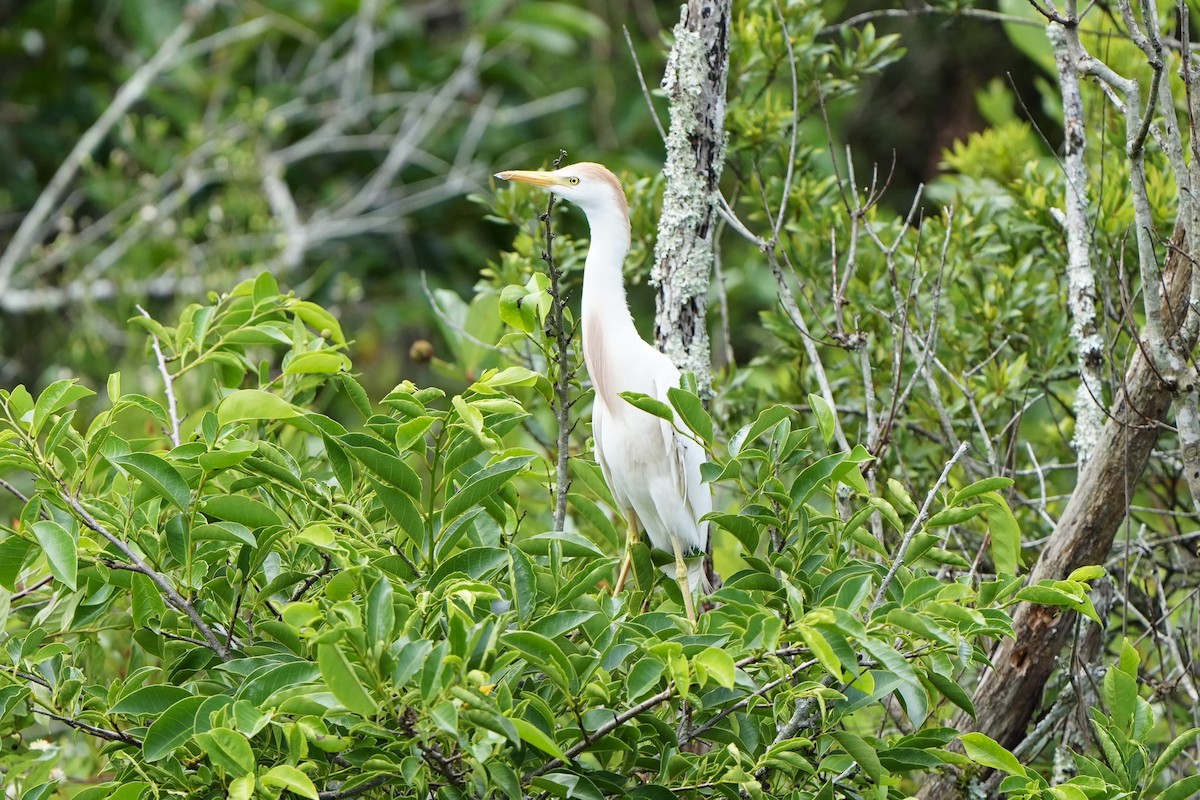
<point x="691" y="411"/>
<point x="986" y="751"/>
<point x="290" y="778"/>
<point x="54" y="399"/>
<point x="381" y="614"/>
<point x="824" y="414"/>
<point x="343" y="681"/>
<point x="863" y="754"/>
<point x="320" y="320"/>
<point x="13" y="552"/>
<point x="241" y="509"/>
<point x="254" y="404"/>
<point x="60" y="550"/>
<point x="157" y="474"/>
<point x="533" y="735"/>
<point x="718" y="664"/>
<point x="227" y="749"/>
<point x="648" y="404"/>
<point x="173" y="727"/>
<point x="482" y="484"/>
<point x="325" y="362"/>
<point x="150" y="700"/>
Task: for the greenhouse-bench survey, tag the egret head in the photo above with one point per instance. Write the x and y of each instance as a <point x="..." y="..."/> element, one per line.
<point x="590" y="186"/>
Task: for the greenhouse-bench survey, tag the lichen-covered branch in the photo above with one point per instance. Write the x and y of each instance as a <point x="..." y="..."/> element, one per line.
<point x="695" y="82"/>
<point x="1081" y="279"/>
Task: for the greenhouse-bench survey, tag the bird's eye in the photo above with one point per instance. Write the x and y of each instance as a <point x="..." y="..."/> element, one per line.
<point x="573" y="181"/>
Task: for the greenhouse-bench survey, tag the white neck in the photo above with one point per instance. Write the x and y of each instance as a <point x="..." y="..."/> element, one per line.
<point x="608" y="329"/>
<point x="604" y="284"/>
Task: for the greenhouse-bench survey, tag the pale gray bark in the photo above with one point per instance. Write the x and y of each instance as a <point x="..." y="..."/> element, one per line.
<point x="695" y="82"/>
<point x="1081" y="280"/>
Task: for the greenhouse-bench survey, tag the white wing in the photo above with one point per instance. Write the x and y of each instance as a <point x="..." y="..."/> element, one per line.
<point x="684" y="457"/>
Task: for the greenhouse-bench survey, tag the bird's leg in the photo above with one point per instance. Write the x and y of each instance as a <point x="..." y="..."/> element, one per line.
<point x="631" y="538"/>
<point x="681" y="577"/>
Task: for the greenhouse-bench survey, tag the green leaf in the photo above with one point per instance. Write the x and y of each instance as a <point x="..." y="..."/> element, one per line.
<point x="483" y="484"/>
<point x="952" y="692"/>
<point x="691" y="410"/>
<point x="174" y="727"/>
<point x="150" y="700"/>
<point x="1005" y="532"/>
<point x="644" y="676"/>
<point x="546" y="655"/>
<point x="59" y="547"/>
<point x="511" y="376"/>
<point x="986" y="751"/>
<point x="862" y="753"/>
<point x="1121" y="695"/>
<point x="1088" y="573"/>
<point x="56" y="397"/>
<point x="374" y="455"/>
<point x="253" y="404"/>
<point x="813" y="476"/>
<point x="323" y="362"/>
<point x="230" y="455"/>
<point x="290" y="778"/>
<point x="320" y="320"/>
<point x="1063" y="594"/>
<point x="825" y="419"/>
<point x="381" y="614"/>
<point x="1182" y="789"/>
<point x="955" y="516"/>
<point x="228" y="750"/>
<point x="233" y="532"/>
<point x="265" y="288"/>
<point x="648" y="404"/>
<point x="13" y="552"/>
<point x="241" y="788"/>
<point x="343" y="681"/>
<point x="821" y="650"/>
<point x="241" y="509"/>
<point x="571" y="544"/>
<point x="523" y="582"/>
<point x="533" y="735"/>
<point x="147" y="600"/>
<point x="767" y="419"/>
<point x="719" y="665"/>
<point x="1171" y="752"/>
<point x="474" y="562"/>
<point x="157" y="474"/>
<point x="980" y="487"/>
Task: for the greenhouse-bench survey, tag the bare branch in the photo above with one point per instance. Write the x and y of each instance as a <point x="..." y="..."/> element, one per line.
<point x="898" y="558"/>
<point x="168" y="382"/>
<point x="132" y="91"/>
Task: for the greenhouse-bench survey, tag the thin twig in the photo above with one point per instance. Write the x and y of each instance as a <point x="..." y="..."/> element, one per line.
<point x="662" y="134"/>
<point x="136" y="563"/>
<point x="362" y="788"/>
<point x="101" y="733"/>
<point x="556" y="326"/>
<point x="898" y="559"/>
<point x="168" y="383"/>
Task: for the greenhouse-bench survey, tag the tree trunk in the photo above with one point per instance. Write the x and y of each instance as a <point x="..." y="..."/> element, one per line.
<point x="1009" y="694"/>
<point x="695" y="82"/>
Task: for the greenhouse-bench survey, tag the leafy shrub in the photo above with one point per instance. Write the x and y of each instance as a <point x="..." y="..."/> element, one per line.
<point x="280" y="603"/>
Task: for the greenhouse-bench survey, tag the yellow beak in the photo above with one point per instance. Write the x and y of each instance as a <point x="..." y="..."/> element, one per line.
<point x="535" y="177"/>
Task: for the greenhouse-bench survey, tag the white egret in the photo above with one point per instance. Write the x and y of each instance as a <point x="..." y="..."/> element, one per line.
<point x="652" y="470"/>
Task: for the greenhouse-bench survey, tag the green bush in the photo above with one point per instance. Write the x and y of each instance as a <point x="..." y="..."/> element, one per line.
<point x="280" y="603"/>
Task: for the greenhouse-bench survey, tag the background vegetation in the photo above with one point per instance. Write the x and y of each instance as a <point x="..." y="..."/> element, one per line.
<point x="257" y="540"/>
